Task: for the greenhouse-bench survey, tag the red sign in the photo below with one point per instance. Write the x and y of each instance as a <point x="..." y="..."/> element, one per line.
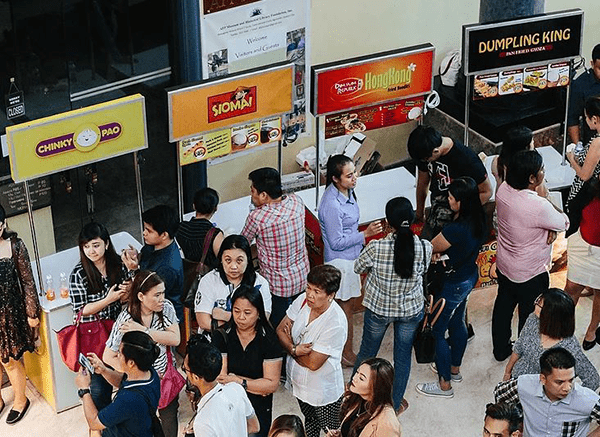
<point x="373" y="117"/>
<point x="210" y="6"/>
<point x="367" y="81"/>
<point x="240" y="101"/>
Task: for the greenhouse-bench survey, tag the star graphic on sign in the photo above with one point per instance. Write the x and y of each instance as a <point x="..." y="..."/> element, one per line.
<point x="412" y="67"/>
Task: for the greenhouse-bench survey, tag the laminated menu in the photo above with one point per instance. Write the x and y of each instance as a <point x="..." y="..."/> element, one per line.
<point x="536" y="77"/>
<point x="510" y="82"/>
<point x="558" y="74"/>
<point x="486" y="85"/>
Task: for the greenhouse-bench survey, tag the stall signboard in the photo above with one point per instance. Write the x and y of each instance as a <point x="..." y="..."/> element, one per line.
<point x="227" y="141"/>
<point x="540" y="39"/>
<point x="371" y="80"/>
<point x="222" y="103"/>
<point x="373" y="117"/>
<point x="64" y="141"/>
<point x="240" y="35"/>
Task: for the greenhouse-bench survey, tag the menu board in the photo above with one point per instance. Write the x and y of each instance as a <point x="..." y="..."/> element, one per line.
<point x="373" y="117"/>
<point x="521" y="80"/>
<point x="227" y="141"/>
<point x="12" y="196"/>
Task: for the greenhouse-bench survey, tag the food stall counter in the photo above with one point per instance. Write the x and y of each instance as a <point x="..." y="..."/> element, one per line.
<point x="45" y="368"/>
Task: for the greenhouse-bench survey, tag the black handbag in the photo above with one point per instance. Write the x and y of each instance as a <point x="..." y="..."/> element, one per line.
<point x="194" y="271"/>
<point x="424" y="343"/>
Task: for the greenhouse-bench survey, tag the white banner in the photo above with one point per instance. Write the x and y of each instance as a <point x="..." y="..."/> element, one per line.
<point x="259" y="34"/>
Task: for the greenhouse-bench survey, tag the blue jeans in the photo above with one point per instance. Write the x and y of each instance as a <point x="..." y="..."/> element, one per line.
<point x="279" y="306"/>
<point x="404" y="334"/>
<point x="450" y="352"/>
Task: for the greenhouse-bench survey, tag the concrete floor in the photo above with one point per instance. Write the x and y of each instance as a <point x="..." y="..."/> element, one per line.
<point x="460" y="416"/>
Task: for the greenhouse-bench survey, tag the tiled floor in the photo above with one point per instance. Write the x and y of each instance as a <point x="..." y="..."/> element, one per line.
<point x="460" y="416"/>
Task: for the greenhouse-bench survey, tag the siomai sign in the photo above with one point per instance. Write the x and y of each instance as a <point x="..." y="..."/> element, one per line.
<point x="231" y="104"/>
<point x="85" y="138"/>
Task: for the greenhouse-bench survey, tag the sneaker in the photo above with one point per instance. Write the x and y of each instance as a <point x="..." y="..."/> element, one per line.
<point x="433" y="389"/>
<point x="455" y="377"/>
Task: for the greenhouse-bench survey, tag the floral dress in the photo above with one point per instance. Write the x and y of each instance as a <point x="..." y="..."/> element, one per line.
<point x="18" y="301"/>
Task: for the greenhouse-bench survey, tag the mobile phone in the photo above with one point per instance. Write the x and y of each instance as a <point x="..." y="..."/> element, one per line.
<point x="444" y="258"/>
<point x="85" y="363"/>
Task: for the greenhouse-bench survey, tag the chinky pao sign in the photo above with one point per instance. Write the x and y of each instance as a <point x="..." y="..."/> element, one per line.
<point x="369" y="80"/>
<point x="60" y="142"/>
<point x="216" y="104"/>
<point x="527" y="41"/>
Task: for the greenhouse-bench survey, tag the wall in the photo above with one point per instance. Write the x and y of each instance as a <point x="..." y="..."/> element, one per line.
<point x="343" y="29"/>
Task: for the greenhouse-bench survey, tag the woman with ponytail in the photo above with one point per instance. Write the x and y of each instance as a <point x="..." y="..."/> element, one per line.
<point x="394" y="291"/>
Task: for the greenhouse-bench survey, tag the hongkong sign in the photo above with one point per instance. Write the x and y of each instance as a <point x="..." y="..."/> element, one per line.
<point x="374" y="79"/>
<point x="521" y="42"/>
<point x="219" y="104"/>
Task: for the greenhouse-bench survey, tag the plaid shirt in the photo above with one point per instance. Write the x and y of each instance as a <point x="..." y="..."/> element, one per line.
<point x="78" y="292"/>
<point x="386" y="293"/>
<point x="567" y="417"/>
<point x="278" y="228"/>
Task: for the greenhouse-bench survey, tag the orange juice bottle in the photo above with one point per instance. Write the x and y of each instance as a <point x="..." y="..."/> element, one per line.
<point x="64" y="289"/>
<point x="50" y="295"/>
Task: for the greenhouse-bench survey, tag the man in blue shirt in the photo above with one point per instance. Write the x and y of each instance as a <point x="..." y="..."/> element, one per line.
<point x="585" y="86"/>
<point x="160" y="253"/>
<point x="553" y="404"/>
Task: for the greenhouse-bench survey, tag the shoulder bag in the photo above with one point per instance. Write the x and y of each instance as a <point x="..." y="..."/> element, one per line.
<point x="155" y="427"/>
<point x="193" y="271"/>
<point x="424" y="343"/>
<point x="83" y="338"/>
<point x="170" y="384"/>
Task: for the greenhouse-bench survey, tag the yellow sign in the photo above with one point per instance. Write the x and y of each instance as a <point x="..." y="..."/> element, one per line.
<point x="63" y="141"/>
<point x="218" y="104"/>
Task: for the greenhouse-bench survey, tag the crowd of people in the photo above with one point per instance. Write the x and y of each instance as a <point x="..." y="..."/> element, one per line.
<point x="289" y="321"/>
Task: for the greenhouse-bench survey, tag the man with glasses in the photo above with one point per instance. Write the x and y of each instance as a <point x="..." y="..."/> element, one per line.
<point x="553" y="404"/>
<point x="223" y="410"/>
<point x="527" y="226"/>
<point x="502" y="420"/>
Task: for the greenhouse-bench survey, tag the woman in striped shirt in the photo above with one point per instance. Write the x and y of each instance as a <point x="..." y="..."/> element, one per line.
<point x="150" y="312"/>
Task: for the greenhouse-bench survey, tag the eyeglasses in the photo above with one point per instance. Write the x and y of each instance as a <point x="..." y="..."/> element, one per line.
<point x="539" y="301"/>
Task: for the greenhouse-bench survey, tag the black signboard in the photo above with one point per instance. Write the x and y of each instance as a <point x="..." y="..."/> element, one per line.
<point x="522" y="42"/>
<point x="12" y="196"/>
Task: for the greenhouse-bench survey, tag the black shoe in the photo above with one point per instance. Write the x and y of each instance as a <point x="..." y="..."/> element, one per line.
<point x="587" y="345"/>
<point x="14" y="416"/>
<point x="470" y="332"/>
<point x="598" y="335"/>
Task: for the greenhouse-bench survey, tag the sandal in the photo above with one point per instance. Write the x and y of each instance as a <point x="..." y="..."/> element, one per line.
<point x="402" y="408"/>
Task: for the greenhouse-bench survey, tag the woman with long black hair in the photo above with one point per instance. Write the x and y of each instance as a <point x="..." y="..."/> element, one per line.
<point x="460" y="240"/>
<point x="394" y="291"/>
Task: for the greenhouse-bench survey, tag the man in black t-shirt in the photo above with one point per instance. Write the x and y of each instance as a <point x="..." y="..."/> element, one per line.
<point x="440" y="160"/>
<point x="585" y="86"/>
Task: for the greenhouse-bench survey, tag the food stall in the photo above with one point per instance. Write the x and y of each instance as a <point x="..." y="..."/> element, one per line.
<point x="46" y="146"/>
<point x="241" y="111"/>
<point x="357" y="95"/>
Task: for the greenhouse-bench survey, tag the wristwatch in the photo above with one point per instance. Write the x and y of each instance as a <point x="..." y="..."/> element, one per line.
<point x="245" y="384"/>
<point x="82" y="392"/>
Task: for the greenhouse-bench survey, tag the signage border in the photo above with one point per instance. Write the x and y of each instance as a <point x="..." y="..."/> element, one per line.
<point x="222" y="80"/>
<point x="316" y="70"/>
<point x="468" y="28"/>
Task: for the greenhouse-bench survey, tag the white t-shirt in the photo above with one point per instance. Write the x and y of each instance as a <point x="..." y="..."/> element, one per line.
<point x="213" y="292"/>
<point x="328" y="334"/>
<point x="223" y="412"/>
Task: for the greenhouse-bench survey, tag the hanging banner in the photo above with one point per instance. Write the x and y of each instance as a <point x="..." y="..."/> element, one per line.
<point x="522" y="42"/>
<point x="373" y="117"/>
<point x="240" y="35"/>
<point x="60" y="142"/>
<point x="374" y="79"/>
<point x="218" y="104"/>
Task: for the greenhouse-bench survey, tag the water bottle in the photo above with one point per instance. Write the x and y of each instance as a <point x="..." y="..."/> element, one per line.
<point x="50" y="295"/>
<point x="578" y="150"/>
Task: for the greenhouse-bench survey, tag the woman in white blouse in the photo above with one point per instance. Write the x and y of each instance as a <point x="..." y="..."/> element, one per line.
<point x="313" y="332"/>
<point x="213" y="298"/>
